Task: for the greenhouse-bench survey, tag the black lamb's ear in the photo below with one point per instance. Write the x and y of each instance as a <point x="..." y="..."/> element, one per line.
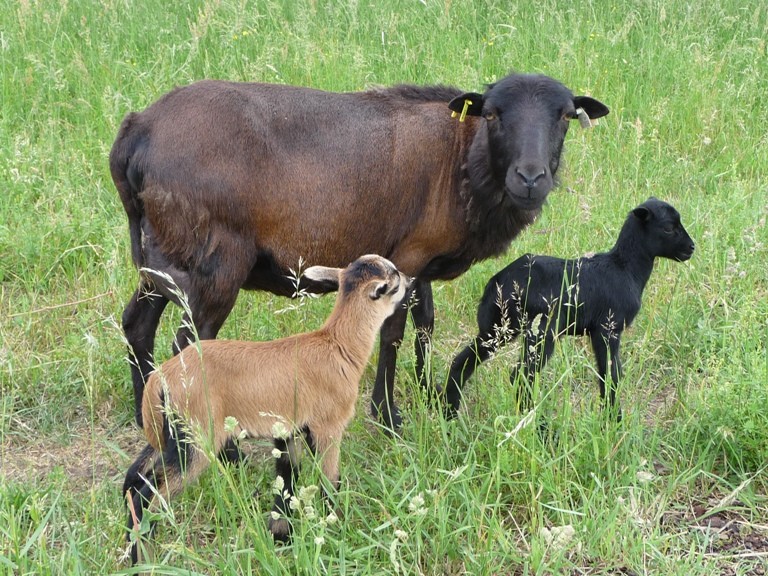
<point x="594" y="108"/>
<point x="380" y="289"/>
<point x="473" y="102"/>
<point x="642" y="213"/>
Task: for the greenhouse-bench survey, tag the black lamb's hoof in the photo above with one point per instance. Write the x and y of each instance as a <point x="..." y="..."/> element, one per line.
<point x="450" y="410"/>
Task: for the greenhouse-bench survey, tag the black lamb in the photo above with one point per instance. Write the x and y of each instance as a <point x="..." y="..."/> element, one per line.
<point x="596" y="295"/>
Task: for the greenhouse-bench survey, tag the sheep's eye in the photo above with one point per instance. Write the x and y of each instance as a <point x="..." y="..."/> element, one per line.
<point x="669" y="230"/>
<point x="570" y="115"/>
<point x="490" y="116"/>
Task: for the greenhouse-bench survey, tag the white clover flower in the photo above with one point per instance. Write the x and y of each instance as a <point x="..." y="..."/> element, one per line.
<point x="416" y="506"/>
<point x="319" y="540"/>
<point x="307" y="492"/>
<point x="309" y="512"/>
<point x="401" y="535"/>
<point x="558" y="537"/>
<point x="644" y="477"/>
<point x="332" y="518"/>
<point x="276" y="453"/>
<point x="230" y="423"/>
<point x="275" y="515"/>
<point x="279" y="431"/>
<point x="278" y="485"/>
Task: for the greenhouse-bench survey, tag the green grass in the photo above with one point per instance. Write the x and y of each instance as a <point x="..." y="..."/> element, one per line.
<point x="686" y="84"/>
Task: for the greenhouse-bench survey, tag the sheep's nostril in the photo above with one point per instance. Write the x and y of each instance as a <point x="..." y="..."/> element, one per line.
<point x="528" y="180"/>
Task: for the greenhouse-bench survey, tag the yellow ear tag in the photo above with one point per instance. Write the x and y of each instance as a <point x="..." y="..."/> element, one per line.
<point x="467" y="104"/>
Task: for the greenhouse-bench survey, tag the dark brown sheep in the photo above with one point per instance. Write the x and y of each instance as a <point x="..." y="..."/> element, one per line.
<point x="228" y="185"/>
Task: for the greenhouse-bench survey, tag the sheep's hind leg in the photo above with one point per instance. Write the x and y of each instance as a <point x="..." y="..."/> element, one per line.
<point x="140" y="320"/>
<point x="287" y="471"/>
<point x="462" y="368"/>
<point x="137" y="491"/>
<point x="211" y="291"/>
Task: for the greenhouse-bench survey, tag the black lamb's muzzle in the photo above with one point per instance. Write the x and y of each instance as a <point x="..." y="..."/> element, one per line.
<point x="685" y="254"/>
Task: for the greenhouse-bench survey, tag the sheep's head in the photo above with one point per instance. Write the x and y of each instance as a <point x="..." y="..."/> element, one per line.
<point x="663" y="232"/>
<point x="371" y="277"/>
<point x="519" y="141"/>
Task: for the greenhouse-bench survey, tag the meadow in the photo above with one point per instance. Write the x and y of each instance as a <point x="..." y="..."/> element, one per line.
<point x="679" y="487"/>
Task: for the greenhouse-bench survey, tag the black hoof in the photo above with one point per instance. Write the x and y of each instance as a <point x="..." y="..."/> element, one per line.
<point x="280" y="529"/>
<point x="231" y="453"/>
<point x="450" y="413"/>
<point x="387" y="416"/>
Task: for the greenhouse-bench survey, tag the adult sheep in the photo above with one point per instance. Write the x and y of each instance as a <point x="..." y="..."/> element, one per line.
<point x="228" y="185"/>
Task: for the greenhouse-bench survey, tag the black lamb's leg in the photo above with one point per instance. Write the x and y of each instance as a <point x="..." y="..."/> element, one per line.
<point x="538" y="347"/>
<point x="604" y="344"/>
<point x="462" y="368"/>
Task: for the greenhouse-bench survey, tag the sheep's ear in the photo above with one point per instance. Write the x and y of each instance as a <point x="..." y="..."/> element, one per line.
<point x="642" y="213"/>
<point x="323" y="274"/>
<point x="594" y="108"/>
<point x="470" y="104"/>
<point x="379" y="290"/>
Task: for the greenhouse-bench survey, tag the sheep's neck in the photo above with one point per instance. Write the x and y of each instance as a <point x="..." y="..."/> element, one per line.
<point x="491" y="220"/>
<point x="354" y="334"/>
<point x="633" y="256"/>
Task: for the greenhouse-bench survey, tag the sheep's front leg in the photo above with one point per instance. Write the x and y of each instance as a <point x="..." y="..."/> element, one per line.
<point x="287" y="471"/>
<point x="423" y="313"/>
<point x="383" y="406"/>
<point x="603" y="345"/>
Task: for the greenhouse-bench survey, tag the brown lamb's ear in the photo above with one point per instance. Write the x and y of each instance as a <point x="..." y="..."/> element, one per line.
<point x="323" y="274"/>
<point x="378" y="290"/>
<point x="471" y="100"/>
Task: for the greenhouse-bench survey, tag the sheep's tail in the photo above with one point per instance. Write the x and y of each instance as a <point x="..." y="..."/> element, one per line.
<point x="125" y="164"/>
